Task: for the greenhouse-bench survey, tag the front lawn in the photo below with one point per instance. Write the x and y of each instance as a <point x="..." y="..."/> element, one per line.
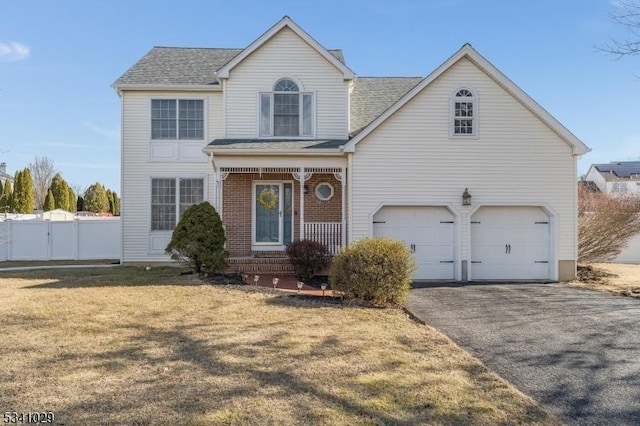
<point x="616" y="278"/>
<point x="128" y="346"/>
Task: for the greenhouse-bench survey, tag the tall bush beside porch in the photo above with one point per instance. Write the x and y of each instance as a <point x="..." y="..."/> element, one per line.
<point x="198" y="239"/>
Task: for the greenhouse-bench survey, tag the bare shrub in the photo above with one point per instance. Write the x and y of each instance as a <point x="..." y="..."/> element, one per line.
<point x="605" y="224"/>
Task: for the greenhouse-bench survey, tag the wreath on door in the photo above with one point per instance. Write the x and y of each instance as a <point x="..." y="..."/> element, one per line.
<point x="268" y="199"/>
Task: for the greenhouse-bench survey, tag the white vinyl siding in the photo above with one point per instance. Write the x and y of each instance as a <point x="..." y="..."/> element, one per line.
<point x="138" y="168"/>
<point x="516" y="159"/>
<point x="282" y="56"/>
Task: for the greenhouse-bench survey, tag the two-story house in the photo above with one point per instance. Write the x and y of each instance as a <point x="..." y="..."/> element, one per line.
<point x="288" y="143"/>
<point x="616" y="177"/>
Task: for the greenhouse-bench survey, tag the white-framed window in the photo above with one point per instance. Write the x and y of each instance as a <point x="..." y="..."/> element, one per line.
<point x="464" y="113"/>
<point x="170" y="197"/>
<point x="286" y="112"/>
<point x="324" y="191"/>
<point x="619" y="187"/>
<point x="177" y="119"/>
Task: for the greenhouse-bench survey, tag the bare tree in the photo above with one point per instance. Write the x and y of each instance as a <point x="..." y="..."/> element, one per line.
<point x="605" y="224"/>
<point x="42" y="171"/>
<point x="628" y="15"/>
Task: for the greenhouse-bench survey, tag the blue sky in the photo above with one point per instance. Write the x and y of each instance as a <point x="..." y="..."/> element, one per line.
<point x="59" y="58"/>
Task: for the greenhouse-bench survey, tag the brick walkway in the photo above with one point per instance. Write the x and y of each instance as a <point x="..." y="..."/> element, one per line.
<point x="286" y="283"/>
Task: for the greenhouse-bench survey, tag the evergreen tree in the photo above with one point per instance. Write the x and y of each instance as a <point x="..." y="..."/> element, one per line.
<point x="95" y="199"/>
<point x="198" y="239"/>
<point x="60" y="192"/>
<point x="49" y="202"/>
<point x="116" y="205"/>
<point x="80" y="204"/>
<point x="15" y="202"/>
<point x="110" y="199"/>
<point x="23" y="200"/>
<point x="1" y="188"/>
<point x="6" y="198"/>
<point x="71" y="207"/>
<point x="29" y="203"/>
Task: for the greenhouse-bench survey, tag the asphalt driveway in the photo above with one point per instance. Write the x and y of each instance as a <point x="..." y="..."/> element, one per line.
<point x="575" y="351"/>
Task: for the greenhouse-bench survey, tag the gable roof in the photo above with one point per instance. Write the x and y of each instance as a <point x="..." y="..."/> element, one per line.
<point x="372" y="96"/>
<point x="286" y="22"/>
<point x="619" y="170"/>
<point x="467" y="51"/>
<point x="177" y="66"/>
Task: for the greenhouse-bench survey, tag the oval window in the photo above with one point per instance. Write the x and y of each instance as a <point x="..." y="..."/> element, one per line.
<point x="324" y="191"/>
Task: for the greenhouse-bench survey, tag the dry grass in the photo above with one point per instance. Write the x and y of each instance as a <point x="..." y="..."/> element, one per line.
<point x="623" y="279"/>
<point x="125" y="346"/>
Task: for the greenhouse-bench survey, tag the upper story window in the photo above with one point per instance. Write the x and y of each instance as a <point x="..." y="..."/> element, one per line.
<point x="287" y="111"/>
<point x="464" y="113"/>
<point x="177" y="119"/>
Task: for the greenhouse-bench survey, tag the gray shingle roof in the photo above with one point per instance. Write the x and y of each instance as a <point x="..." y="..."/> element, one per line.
<point x="619" y="170"/>
<point x="183" y="65"/>
<point x="372" y="96"/>
<point x="285" y="144"/>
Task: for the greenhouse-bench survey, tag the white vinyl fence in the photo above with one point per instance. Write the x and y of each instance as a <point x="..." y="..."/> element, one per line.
<point x="631" y="253"/>
<point x="52" y="240"/>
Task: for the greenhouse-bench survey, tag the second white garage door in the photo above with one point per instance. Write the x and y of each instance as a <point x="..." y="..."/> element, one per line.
<point x="510" y="243"/>
<point x="427" y="231"/>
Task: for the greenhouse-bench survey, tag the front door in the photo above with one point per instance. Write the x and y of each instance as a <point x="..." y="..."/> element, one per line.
<point x="273" y="213"/>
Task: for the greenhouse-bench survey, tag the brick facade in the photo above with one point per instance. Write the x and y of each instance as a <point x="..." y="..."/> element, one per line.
<point x="237" y="204"/>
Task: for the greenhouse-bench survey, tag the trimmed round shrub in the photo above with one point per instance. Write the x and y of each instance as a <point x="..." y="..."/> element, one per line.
<point x="307" y="257"/>
<point x="377" y="270"/>
<point x="198" y="239"/>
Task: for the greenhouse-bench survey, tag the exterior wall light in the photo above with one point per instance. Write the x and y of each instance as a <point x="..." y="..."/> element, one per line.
<point x="466" y="198"/>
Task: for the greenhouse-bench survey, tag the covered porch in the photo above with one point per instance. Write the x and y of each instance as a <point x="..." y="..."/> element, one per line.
<point x="264" y="208"/>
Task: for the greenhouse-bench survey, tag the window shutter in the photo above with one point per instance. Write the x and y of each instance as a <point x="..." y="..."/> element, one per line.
<point x="307" y="114"/>
<point x="265" y="114"/>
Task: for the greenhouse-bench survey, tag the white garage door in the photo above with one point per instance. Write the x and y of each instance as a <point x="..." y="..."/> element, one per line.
<point x="510" y="243"/>
<point x="427" y="231"/>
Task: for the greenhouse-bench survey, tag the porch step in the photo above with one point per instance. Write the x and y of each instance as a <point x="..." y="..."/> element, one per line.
<point x="270" y="254"/>
<point x="260" y="265"/>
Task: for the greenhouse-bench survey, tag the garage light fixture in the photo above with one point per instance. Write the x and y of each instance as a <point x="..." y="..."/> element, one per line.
<point x="466" y="198"/>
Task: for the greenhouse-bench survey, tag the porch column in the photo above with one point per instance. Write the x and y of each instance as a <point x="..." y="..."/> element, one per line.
<point x="343" y="181"/>
<point x="217" y="187"/>
<point x="301" y="179"/>
<point x="223" y="176"/>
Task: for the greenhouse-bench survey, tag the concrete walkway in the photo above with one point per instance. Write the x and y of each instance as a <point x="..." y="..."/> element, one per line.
<point x="575" y="351"/>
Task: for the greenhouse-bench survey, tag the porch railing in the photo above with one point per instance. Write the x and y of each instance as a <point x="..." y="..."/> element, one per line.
<point x="327" y="233"/>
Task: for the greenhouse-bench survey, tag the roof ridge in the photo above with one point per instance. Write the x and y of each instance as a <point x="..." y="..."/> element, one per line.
<point x="199" y="48"/>
<point x="389" y="76"/>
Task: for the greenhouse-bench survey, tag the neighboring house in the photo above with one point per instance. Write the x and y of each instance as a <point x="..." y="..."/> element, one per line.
<point x="286" y="142"/>
<point x="617" y="177"/>
<point x="4" y="176"/>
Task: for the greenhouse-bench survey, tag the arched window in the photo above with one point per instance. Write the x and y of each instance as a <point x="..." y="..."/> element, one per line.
<point x="286" y="111"/>
<point x="464" y="121"/>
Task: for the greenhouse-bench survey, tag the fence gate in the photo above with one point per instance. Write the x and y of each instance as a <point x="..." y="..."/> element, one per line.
<point x="60" y="240"/>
